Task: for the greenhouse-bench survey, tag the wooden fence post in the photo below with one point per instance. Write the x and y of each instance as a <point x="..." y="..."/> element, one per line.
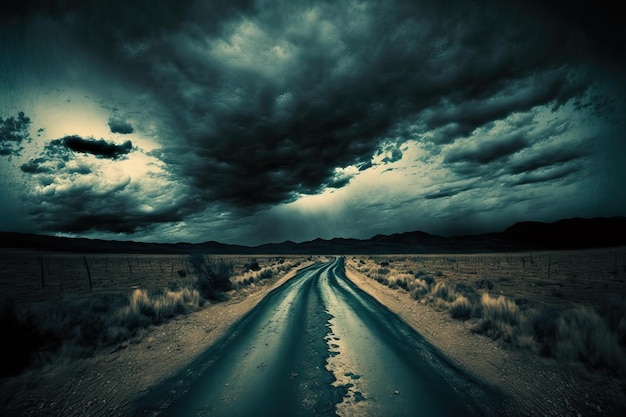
<point x="88" y="273"/>
<point x="43" y="281"/>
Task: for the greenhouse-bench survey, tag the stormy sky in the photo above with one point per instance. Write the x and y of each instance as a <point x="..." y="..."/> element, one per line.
<point x="263" y="121"/>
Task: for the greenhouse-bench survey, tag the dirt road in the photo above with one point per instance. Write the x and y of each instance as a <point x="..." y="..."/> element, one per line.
<point x="319" y="346"/>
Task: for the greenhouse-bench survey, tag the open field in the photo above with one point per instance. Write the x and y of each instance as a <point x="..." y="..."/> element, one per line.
<point x="31" y="277"/>
<point x="558" y="279"/>
<point x="64" y="306"/>
<point x="569" y="305"/>
<point x="549" y="332"/>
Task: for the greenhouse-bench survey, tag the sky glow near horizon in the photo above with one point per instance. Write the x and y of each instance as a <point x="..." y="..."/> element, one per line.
<point x="263" y="121"/>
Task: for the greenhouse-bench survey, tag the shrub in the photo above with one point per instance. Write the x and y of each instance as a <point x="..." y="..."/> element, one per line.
<point x="253" y="265"/>
<point x="428" y="279"/>
<point x="213" y="276"/>
<point x="402" y="283"/>
<point x="461" y="308"/>
<point x="465" y="290"/>
<point x="80" y="327"/>
<point x="266" y="274"/>
<point x="382" y="279"/>
<point x="544" y="328"/>
<point x="484" y="283"/>
<point x="500" y="309"/>
<point x="20" y="338"/>
<point x="442" y="291"/>
<point x="614" y="312"/>
<point x="420" y="290"/>
<point x="583" y="335"/>
<point x="500" y="316"/>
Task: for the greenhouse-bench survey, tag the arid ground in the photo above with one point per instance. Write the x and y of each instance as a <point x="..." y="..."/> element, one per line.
<point x="536" y="375"/>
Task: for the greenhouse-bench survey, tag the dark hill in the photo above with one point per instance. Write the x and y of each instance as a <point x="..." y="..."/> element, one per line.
<point x="575" y="233"/>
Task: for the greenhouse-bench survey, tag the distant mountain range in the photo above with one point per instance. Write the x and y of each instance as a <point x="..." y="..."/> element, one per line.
<point x="575" y="233"/>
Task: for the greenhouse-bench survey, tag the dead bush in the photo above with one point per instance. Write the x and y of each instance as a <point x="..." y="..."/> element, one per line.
<point x="212" y="276"/>
<point x="461" y="308"/>
<point x="499" y="317"/>
<point x="582" y="335"/>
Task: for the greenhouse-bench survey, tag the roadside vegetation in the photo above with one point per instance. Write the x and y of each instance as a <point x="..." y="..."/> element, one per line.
<point x="595" y="336"/>
<point x="35" y="334"/>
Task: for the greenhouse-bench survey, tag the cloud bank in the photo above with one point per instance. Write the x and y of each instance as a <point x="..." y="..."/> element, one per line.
<point x="255" y="106"/>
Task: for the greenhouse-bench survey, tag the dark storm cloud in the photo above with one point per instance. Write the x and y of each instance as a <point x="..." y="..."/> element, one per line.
<point x="460" y="116"/>
<point x="105" y="23"/>
<point x="72" y="197"/>
<point x="259" y="102"/>
<point x="261" y="127"/>
<point x="82" y="209"/>
<point x="85" y="219"/>
<point x="487" y="151"/>
<point x="120" y="125"/>
<point x="36" y="166"/>
<point x="99" y="148"/>
<point x="448" y="192"/>
<point x="602" y="24"/>
<point x="549" y="175"/>
<point x="548" y="156"/>
<point x="13" y="132"/>
<point x="394" y="153"/>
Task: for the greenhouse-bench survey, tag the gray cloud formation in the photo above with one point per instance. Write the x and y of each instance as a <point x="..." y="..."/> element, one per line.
<point x="74" y="193"/>
<point x="13" y="133"/>
<point x="284" y="97"/>
<point x="100" y="148"/>
<point x="259" y="102"/>
<point x="120" y="125"/>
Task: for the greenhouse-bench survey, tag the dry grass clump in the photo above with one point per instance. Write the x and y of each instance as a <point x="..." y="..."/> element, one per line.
<point x="263" y="274"/>
<point x="80" y="327"/>
<point x="500" y="318"/>
<point x="421" y="288"/>
<point x="583" y="335"/>
<point x="461" y="308"/>
<point x="81" y="324"/>
<point x="163" y="305"/>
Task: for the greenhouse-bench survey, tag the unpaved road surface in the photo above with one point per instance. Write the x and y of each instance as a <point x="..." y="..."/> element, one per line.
<point x="319" y="346"/>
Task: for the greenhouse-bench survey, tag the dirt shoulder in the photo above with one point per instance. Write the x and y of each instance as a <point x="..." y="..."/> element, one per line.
<point x="531" y="385"/>
<point x="107" y="384"/>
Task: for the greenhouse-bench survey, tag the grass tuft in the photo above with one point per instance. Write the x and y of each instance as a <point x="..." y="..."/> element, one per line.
<point x="584" y="336"/>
